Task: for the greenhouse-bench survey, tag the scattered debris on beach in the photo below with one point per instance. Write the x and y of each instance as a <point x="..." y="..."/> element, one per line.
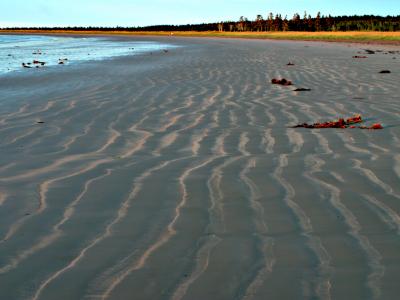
<point x="302" y="90"/>
<point x="374" y="126"/>
<point x="37" y="62"/>
<point x="384" y="72"/>
<point x="368" y="51"/>
<point x="282" y="81"/>
<point x="340" y="123"/>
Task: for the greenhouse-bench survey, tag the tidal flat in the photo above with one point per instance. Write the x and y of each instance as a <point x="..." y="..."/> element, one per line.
<point x="176" y="174"/>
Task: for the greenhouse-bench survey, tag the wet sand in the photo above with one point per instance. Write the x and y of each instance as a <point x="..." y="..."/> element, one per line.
<point x="176" y="175"/>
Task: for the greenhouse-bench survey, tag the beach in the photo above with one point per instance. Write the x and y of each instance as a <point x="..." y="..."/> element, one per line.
<point x="176" y="174"/>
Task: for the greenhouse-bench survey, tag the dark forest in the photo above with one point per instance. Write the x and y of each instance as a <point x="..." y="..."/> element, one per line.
<point x="271" y="23"/>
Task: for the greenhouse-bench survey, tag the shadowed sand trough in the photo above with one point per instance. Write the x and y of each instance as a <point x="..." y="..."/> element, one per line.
<point x="176" y="175"/>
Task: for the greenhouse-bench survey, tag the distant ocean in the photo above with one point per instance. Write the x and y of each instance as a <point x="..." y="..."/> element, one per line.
<point x="18" y="49"/>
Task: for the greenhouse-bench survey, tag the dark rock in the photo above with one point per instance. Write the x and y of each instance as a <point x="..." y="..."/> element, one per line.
<point x="36" y="62"/>
<point x="302" y="90"/>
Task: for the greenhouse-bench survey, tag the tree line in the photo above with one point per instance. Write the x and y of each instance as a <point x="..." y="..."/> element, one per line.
<point x="270" y="23"/>
<point x="317" y="23"/>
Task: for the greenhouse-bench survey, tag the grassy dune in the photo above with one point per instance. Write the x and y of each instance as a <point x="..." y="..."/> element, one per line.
<point x="349" y="36"/>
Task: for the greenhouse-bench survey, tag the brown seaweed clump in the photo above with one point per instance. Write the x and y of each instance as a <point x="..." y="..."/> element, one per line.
<point x="340" y="123"/>
<point x="374" y="126"/>
<point x="282" y="81"/>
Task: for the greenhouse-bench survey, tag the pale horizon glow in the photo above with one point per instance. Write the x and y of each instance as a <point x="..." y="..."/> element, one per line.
<point x="131" y="13"/>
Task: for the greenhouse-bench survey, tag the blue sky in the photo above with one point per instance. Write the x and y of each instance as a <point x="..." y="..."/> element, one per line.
<point x="150" y="12"/>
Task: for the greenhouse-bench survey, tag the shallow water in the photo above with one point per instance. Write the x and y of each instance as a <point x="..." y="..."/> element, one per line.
<point x="18" y="49"/>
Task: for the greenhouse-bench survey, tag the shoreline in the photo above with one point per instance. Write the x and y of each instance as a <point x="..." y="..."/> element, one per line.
<point x="357" y="37"/>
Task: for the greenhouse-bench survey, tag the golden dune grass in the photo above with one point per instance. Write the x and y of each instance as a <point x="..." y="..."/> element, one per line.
<point x="349" y="36"/>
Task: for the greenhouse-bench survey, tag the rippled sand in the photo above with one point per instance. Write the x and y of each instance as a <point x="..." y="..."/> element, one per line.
<point x="175" y="175"/>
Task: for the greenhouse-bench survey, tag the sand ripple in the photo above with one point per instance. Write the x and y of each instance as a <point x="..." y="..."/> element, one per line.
<point x="177" y="176"/>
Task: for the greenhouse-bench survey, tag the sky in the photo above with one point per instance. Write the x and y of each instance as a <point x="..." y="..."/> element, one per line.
<point x="154" y="12"/>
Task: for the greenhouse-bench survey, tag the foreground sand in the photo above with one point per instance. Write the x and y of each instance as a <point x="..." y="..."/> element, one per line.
<point x="175" y="176"/>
